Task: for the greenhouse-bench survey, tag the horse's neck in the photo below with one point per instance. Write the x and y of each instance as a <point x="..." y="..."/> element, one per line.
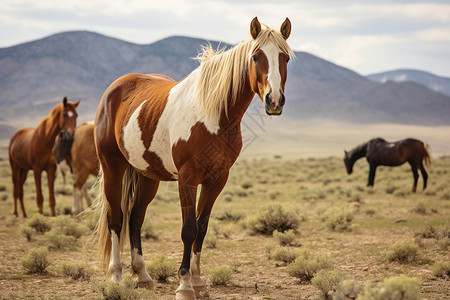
<point x="47" y="130"/>
<point x="244" y="98"/>
<point x="357" y="153"/>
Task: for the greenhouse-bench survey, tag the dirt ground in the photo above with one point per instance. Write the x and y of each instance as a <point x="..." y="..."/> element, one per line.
<point x="383" y="215"/>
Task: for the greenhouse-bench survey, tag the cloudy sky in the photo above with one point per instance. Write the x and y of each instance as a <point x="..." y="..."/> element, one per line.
<point x="366" y="36"/>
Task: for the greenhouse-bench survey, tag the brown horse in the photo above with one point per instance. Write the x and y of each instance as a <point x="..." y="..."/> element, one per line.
<point x="31" y="149"/>
<point x="379" y="152"/>
<point x="80" y="155"/>
<point x="149" y="128"/>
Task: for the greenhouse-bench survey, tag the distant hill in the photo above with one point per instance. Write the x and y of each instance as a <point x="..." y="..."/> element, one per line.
<point x="35" y="76"/>
<point x="433" y="82"/>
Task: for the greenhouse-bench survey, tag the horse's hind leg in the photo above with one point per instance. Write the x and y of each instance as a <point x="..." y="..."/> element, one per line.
<point x="372" y="170"/>
<point x="22" y="179"/>
<point x="78" y="192"/>
<point x="424" y="175"/>
<point x="145" y="192"/>
<point x="415" y="175"/>
<point x="208" y="195"/>
<point x="19" y="177"/>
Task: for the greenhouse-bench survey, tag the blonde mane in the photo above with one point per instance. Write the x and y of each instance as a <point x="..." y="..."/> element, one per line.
<point x="222" y="72"/>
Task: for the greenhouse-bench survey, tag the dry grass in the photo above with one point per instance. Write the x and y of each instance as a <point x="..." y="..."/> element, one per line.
<point x="310" y="188"/>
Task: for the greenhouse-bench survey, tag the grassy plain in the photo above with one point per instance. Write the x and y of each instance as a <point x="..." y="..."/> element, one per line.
<point x="310" y="188"/>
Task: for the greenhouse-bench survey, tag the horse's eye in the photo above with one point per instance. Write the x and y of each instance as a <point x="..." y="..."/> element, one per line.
<point x="255" y="59"/>
<point x="287" y="60"/>
<point x="65" y="115"/>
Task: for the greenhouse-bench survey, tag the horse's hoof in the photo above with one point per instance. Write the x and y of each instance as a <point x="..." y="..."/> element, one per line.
<point x="185" y="295"/>
<point x="149" y="285"/>
<point x="201" y="291"/>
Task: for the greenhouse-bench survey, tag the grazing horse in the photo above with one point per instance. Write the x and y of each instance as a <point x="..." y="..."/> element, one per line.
<point x="31" y="149"/>
<point x="381" y="153"/>
<point x="82" y="160"/>
<point x="149" y="128"/>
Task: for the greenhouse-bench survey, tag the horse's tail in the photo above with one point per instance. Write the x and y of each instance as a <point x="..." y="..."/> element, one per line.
<point x="101" y="204"/>
<point x="426" y="155"/>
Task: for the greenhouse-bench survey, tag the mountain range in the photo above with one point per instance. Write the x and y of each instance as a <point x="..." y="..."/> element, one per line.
<point x="34" y="76"/>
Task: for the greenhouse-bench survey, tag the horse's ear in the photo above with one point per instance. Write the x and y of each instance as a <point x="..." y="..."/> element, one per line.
<point x="345" y="152"/>
<point x="76" y="103"/>
<point x="285" y="28"/>
<point x="255" y="27"/>
<point x="65" y="101"/>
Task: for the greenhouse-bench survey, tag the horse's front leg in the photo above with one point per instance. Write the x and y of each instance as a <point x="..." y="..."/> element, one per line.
<point x="39" y="196"/>
<point x="415" y="175"/>
<point x="187" y="186"/>
<point x="210" y="192"/>
<point x="51" y="175"/>
<point x="372" y="170"/>
<point x="145" y="192"/>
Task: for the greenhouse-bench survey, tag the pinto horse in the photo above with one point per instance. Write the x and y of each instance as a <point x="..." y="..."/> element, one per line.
<point x="149" y="128"/>
<point x="31" y="149"/>
<point x="80" y="155"/>
<point x="379" y="152"/>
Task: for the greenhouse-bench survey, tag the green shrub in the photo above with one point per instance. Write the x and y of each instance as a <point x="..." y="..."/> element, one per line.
<point x="339" y="219"/>
<point x="229" y="216"/>
<point x="39" y="223"/>
<point x="327" y="281"/>
<point x="123" y="290"/>
<point x="306" y="266"/>
<point x="220" y="276"/>
<point x="161" y="268"/>
<point x="394" y="288"/>
<point x="404" y="251"/>
<point x="67" y="226"/>
<point x="76" y="271"/>
<point x="36" y="260"/>
<point x="57" y="241"/>
<point x="441" y="269"/>
<point x="282" y="254"/>
<point x="27" y="232"/>
<point x="420" y="208"/>
<point x="284" y="238"/>
<point x="273" y="217"/>
<point x="347" y="290"/>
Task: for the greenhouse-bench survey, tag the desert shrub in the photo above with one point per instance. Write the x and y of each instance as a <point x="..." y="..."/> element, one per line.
<point x="403" y="251"/>
<point x="273" y="217"/>
<point x="55" y="240"/>
<point x="420" y="208"/>
<point x="429" y="232"/>
<point x="39" y="223"/>
<point x="306" y="266"/>
<point x="36" y="261"/>
<point x="161" y="268"/>
<point x="339" y="219"/>
<point x="394" y="288"/>
<point x="220" y="276"/>
<point x="327" y="281"/>
<point x="2" y="188"/>
<point x="445" y="194"/>
<point x="444" y="243"/>
<point x="211" y="241"/>
<point x="229" y="216"/>
<point x="347" y="290"/>
<point x="284" y="238"/>
<point x="76" y="271"/>
<point x="67" y="226"/>
<point x="148" y="232"/>
<point x="370" y="212"/>
<point x="283" y="254"/>
<point x="27" y="232"/>
<point x="123" y="290"/>
<point x="441" y="269"/>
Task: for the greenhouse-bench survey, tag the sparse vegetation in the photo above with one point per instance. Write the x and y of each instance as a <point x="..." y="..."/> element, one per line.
<point x="339" y="219"/>
<point x="76" y="271"/>
<point x="124" y="290"/>
<point x="284" y="238"/>
<point x="273" y="217"/>
<point x="306" y="265"/>
<point x="327" y="281"/>
<point x="55" y="240"/>
<point x="39" y="223"/>
<point x="283" y="254"/>
<point x="441" y="269"/>
<point x="403" y="251"/>
<point x="221" y="276"/>
<point x="36" y="261"/>
<point x="161" y="268"/>
<point x="393" y="288"/>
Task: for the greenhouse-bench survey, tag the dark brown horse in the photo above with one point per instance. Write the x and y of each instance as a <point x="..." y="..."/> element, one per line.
<point x="31" y="149"/>
<point x="149" y="128"/>
<point x="381" y="153"/>
<point x="79" y="154"/>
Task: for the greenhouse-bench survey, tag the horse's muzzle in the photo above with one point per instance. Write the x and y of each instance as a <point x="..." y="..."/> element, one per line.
<point x="66" y="135"/>
<point x="274" y="108"/>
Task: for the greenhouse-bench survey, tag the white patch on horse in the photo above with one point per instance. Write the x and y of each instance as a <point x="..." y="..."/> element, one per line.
<point x="138" y="264"/>
<point x="391" y="145"/>
<point x="272" y="53"/>
<point x="115" y="267"/>
<point x="132" y="140"/>
<point x="69" y="114"/>
<point x="181" y="113"/>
